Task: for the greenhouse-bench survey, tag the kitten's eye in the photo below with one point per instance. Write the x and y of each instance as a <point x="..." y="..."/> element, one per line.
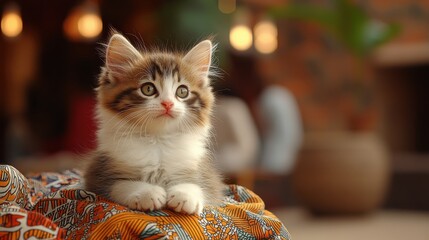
<point x="182" y="91"/>
<point x="148" y="89"/>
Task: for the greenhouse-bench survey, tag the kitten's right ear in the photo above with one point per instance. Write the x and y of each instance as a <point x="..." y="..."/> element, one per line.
<point x="120" y="54"/>
<point x="200" y="56"/>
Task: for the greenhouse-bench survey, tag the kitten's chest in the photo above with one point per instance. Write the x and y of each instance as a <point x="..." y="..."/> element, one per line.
<point x="167" y="155"/>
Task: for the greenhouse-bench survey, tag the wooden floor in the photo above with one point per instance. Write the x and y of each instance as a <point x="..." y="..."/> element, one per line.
<point x="382" y="225"/>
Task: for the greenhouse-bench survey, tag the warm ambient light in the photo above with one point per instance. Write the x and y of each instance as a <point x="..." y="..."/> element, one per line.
<point x="227" y="6"/>
<point x="240" y="37"/>
<point x="83" y="22"/>
<point x="11" y="22"/>
<point x="265" y="37"/>
<point x="90" y="25"/>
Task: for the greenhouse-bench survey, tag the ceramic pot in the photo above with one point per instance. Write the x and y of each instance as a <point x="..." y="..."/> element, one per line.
<point x="341" y="173"/>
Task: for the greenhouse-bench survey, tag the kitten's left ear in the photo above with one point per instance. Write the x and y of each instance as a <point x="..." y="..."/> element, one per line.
<point x="120" y="54"/>
<point x="200" y="57"/>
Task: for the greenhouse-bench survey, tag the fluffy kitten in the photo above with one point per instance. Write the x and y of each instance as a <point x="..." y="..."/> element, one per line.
<point x="154" y="111"/>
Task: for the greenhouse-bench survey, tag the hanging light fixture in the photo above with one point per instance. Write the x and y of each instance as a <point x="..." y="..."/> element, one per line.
<point x="90" y="24"/>
<point x="240" y="35"/>
<point x="84" y="22"/>
<point x="265" y="33"/>
<point x="11" y="22"/>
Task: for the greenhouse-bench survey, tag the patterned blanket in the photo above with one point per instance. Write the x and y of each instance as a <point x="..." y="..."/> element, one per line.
<point x="47" y="206"/>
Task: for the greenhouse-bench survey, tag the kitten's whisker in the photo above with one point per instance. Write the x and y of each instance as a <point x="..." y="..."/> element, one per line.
<point x="119" y="130"/>
<point x="188" y="124"/>
<point x="124" y="126"/>
<point x="120" y="113"/>
<point x="140" y="120"/>
<point x="144" y="123"/>
<point x="128" y="132"/>
<point x="142" y="117"/>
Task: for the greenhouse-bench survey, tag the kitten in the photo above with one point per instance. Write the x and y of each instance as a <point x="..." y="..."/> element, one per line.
<point x="154" y="111"/>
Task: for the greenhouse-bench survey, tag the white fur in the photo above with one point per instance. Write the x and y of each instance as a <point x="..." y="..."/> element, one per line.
<point x="139" y="195"/>
<point x="186" y="197"/>
<point x="169" y="151"/>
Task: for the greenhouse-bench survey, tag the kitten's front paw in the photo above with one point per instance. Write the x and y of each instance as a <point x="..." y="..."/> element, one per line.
<point x="187" y="198"/>
<point x="149" y="197"/>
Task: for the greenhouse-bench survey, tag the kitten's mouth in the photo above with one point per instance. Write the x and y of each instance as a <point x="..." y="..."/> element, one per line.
<point x="166" y="114"/>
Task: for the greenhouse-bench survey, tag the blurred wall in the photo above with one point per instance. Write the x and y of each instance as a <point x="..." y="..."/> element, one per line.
<point x="336" y="92"/>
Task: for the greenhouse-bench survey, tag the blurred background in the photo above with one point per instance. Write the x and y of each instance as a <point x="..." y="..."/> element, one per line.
<point x="322" y="109"/>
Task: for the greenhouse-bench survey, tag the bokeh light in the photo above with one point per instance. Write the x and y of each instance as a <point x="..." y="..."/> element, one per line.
<point x="90" y="25"/>
<point x="11" y="23"/>
<point x="83" y="22"/>
<point x="241" y="37"/>
<point x="265" y="37"/>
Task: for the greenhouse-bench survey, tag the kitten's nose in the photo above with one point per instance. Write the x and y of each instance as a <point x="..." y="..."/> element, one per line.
<point x="167" y="104"/>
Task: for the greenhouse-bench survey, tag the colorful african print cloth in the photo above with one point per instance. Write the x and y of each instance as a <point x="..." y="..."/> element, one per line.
<point x="47" y="206"/>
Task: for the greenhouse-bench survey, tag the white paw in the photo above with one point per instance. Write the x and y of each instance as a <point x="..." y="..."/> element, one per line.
<point x="187" y="198"/>
<point x="140" y="196"/>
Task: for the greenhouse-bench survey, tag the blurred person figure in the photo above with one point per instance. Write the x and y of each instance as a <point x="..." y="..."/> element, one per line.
<point x="236" y="136"/>
<point x="283" y="131"/>
<point x="275" y="111"/>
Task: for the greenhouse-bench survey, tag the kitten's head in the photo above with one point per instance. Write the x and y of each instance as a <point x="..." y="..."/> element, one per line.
<point x="156" y="92"/>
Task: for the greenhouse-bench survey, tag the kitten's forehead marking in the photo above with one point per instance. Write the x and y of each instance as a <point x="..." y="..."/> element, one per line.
<point x="155" y="70"/>
<point x="164" y="68"/>
<point x="176" y="74"/>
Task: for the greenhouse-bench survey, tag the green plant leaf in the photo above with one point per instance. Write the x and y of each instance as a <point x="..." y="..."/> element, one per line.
<point x="348" y="22"/>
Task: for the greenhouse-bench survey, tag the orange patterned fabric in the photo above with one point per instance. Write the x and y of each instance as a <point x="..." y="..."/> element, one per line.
<point x="41" y="207"/>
